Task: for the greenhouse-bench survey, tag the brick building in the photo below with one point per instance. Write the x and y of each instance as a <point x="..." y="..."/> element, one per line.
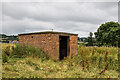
<point x="56" y="44"/>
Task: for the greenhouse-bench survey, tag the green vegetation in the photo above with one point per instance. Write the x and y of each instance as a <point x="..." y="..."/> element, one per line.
<point x="20" y="61"/>
<point x="22" y="51"/>
<point x="6" y="39"/>
<point x="0" y="62"/>
<point x="108" y="34"/>
<point x="91" y="62"/>
<point x="91" y="40"/>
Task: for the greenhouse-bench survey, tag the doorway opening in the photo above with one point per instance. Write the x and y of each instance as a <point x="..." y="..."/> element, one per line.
<point x="64" y="47"/>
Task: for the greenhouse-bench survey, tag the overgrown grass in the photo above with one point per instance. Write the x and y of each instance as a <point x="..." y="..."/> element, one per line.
<point x="100" y="56"/>
<point x="36" y="68"/>
<point x="22" y="51"/>
<point x="91" y="62"/>
<point x="0" y="61"/>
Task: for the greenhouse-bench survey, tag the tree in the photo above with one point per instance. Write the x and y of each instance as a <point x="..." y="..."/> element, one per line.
<point x="108" y="34"/>
<point x="90" y="39"/>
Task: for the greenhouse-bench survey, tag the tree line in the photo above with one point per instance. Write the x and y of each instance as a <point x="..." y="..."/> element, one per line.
<point x="5" y="38"/>
<point x="108" y="34"/>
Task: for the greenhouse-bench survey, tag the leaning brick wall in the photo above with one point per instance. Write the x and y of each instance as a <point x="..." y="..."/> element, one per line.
<point x="73" y="45"/>
<point x="49" y="43"/>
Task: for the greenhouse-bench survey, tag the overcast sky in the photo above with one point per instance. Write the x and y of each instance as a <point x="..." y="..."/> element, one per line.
<point x="74" y="17"/>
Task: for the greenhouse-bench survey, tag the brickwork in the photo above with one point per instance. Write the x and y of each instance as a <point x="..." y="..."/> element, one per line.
<point x="73" y="45"/>
<point x="49" y="43"/>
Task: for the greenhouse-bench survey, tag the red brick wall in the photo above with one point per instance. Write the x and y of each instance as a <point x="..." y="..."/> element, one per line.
<point x="73" y="45"/>
<point x="49" y="43"/>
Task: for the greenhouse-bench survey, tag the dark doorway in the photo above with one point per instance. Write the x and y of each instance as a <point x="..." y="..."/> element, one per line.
<point x="64" y="47"/>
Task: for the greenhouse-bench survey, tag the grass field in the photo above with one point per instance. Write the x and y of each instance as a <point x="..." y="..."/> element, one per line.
<point x="0" y="62"/>
<point x="91" y="62"/>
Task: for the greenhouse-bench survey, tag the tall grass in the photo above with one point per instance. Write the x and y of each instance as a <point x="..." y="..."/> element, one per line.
<point x="22" y="51"/>
<point x="97" y="57"/>
<point x="91" y="62"/>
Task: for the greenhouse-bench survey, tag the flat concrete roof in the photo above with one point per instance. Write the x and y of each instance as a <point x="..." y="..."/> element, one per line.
<point x="47" y="32"/>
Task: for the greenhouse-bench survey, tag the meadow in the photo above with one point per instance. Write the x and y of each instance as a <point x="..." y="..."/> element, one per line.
<point x="29" y="62"/>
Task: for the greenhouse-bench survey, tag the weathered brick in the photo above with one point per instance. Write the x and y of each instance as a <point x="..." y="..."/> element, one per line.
<point x="49" y="42"/>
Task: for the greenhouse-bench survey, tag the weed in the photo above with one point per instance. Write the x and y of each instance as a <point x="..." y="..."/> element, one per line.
<point x="100" y="61"/>
<point x="26" y="61"/>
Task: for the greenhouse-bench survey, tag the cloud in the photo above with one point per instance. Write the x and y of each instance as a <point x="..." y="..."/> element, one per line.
<point x="55" y="12"/>
<point x="76" y="17"/>
<point x="60" y="0"/>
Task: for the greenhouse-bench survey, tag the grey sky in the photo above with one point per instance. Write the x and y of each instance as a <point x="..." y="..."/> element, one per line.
<point x="73" y="17"/>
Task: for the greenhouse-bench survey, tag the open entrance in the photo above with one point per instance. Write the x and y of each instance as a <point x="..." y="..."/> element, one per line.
<point x="64" y="47"/>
